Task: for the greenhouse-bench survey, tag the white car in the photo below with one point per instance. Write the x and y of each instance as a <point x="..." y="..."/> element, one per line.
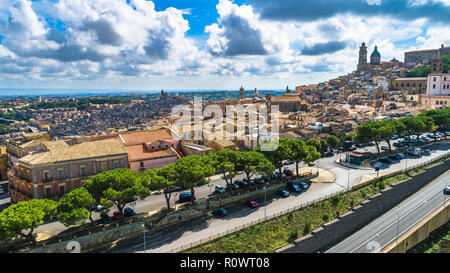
<point x="219" y="189"/>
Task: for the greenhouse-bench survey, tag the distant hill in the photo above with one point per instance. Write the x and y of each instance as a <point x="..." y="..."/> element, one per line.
<point x="424" y="71"/>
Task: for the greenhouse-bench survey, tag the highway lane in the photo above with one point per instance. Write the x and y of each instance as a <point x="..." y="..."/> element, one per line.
<point x="385" y="229"/>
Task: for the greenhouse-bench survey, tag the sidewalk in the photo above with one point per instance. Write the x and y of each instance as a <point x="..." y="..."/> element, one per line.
<point x="325" y="176"/>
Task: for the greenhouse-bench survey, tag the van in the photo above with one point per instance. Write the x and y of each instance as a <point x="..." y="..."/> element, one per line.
<point x="186" y="197"/>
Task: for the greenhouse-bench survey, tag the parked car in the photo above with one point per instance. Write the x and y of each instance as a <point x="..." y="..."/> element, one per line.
<point x="252" y="203"/>
<point x="400" y="155"/>
<point x="393" y="157"/>
<point x="128" y="212"/>
<point x="105" y="219"/>
<point x="288" y="172"/>
<point x="384" y="148"/>
<point x="259" y="181"/>
<point x="413" y="151"/>
<point x="186" y="197"/>
<point x="174" y="188"/>
<point x="394" y="137"/>
<point x="219" y="189"/>
<point x="266" y="178"/>
<point x="232" y="186"/>
<point x="241" y="183"/>
<point x="425" y="151"/>
<point x="303" y="185"/>
<point x="447" y="190"/>
<point x="447" y="133"/>
<point x="378" y="165"/>
<point x="283" y="193"/>
<point x="117" y="215"/>
<point x="288" y="162"/>
<point x="386" y="160"/>
<point x="328" y="154"/>
<point x="294" y="187"/>
<point x="1" y="190"/>
<point x="220" y="212"/>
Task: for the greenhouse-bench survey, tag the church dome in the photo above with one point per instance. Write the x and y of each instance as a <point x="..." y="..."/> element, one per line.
<point x="375" y="53"/>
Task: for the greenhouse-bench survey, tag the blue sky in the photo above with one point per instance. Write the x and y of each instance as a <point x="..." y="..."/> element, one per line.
<point x="205" y="44"/>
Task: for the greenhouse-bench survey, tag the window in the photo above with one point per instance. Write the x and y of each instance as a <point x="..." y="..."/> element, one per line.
<point x="62" y="189"/>
<point x="104" y="166"/>
<point x="60" y="173"/>
<point x="47" y="176"/>
<point x="141" y="164"/>
<point x="83" y="171"/>
<point x="434" y="86"/>
<point x="48" y="192"/>
<point x="434" y="79"/>
<point x="116" y="164"/>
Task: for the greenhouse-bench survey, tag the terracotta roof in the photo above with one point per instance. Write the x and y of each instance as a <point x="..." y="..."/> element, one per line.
<point x="140" y="137"/>
<point x="140" y="152"/>
<point x="286" y="98"/>
<point x="57" y="152"/>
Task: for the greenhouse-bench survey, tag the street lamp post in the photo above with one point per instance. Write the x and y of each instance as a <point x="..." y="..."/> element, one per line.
<point x="348" y="179"/>
<point x="145" y="248"/>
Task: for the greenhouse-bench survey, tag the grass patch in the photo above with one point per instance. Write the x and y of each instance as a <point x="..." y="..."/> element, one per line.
<point x="280" y="231"/>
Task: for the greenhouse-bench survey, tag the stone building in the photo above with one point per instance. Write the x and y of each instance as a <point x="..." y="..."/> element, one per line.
<point x="425" y="57"/>
<point x="151" y="148"/>
<point x="58" y="168"/>
<point x="410" y="86"/>
<point x="19" y="147"/>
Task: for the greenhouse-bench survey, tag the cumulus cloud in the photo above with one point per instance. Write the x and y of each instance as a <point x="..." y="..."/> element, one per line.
<point x="309" y="10"/>
<point x="115" y="34"/>
<point x="239" y="31"/>
<point x="323" y="48"/>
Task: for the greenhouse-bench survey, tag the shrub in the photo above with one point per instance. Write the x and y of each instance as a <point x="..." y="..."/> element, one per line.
<point x="293" y="236"/>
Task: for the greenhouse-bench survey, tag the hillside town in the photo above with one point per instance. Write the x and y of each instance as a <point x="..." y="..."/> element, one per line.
<point x="76" y="144"/>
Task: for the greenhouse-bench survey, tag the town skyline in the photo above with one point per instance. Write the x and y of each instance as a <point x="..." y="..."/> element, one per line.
<point x="200" y="45"/>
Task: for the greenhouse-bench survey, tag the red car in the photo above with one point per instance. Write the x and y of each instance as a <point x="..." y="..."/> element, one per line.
<point x="252" y="203"/>
<point x="288" y="172"/>
<point x="116" y="215"/>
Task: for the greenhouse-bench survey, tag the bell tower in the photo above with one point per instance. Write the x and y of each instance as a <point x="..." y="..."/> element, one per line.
<point x="362" y="62"/>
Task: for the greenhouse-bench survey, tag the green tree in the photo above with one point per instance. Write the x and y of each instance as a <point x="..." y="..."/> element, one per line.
<point x="314" y="142"/>
<point x="300" y="152"/>
<point x="192" y="171"/>
<point x="117" y="187"/>
<point x="75" y="207"/>
<point x="312" y="156"/>
<point x="26" y="215"/>
<point x="414" y="126"/>
<point x="281" y="152"/>
<point x="254" y="162"/>
<point x="225" y="161"/>
<point x="163" y="178"/>
<point x="333" y="141"/>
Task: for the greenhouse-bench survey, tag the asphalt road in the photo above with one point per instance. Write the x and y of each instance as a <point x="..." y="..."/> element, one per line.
<point x="386" y="228"/>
